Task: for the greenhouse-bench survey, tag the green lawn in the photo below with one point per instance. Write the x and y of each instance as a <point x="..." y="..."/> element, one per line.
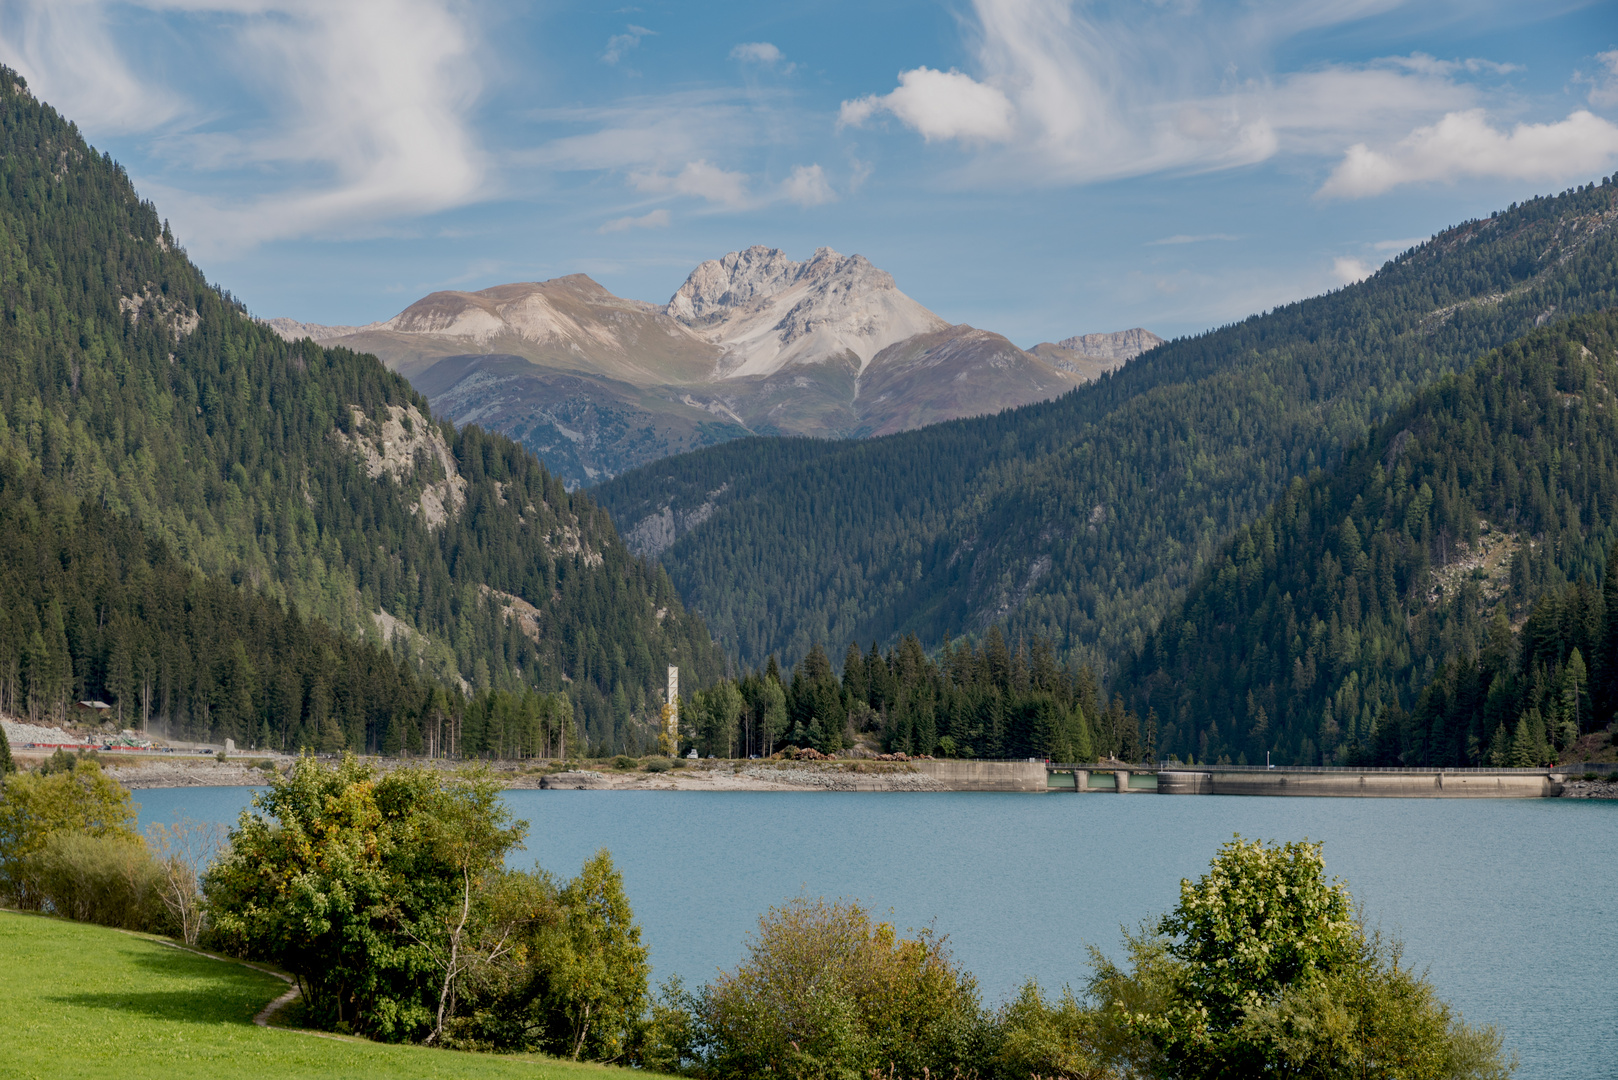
<point x="85" y="1001"/>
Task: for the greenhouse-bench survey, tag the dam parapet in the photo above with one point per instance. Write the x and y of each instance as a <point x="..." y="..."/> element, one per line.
<point x="1360" y="783"/>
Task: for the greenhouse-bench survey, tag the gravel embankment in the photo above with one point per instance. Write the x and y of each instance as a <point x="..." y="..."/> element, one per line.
<point x="1590" y="789"/>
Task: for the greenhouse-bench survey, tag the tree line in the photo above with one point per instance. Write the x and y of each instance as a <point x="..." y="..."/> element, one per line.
<point x="983" y="699"/>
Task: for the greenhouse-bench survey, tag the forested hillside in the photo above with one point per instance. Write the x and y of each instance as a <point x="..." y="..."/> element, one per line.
<point x="1433" y="601"/>
<point x="310" y="477"/>
<point x="1084" y="519"/>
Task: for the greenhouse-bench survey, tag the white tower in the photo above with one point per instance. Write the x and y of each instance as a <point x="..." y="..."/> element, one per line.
<point x="672" y="724"/>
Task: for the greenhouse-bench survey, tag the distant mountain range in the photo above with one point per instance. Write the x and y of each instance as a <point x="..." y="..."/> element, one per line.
<point x="753" y="343"/>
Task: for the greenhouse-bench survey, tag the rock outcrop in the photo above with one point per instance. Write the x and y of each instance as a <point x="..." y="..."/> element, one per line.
<point x="765" y="311"/>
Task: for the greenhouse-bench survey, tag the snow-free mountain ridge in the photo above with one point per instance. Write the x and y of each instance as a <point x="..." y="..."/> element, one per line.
<point x="751" y="343"/>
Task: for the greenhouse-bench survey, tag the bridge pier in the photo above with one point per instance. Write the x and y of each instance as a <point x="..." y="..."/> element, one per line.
<point x="1121" y="778"/>
<point x="1081" y="779"/>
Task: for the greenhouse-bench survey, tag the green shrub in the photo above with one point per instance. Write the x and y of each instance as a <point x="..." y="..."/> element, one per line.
<point x="1262" y="970"/>
<point x="70" y="795"/>
<point x="624" y="761"/>
<point x="111" y="880"/>
<point x="826" y="993"/>
<point x="658" y="764"/>
<point x="1032" y="1037"/>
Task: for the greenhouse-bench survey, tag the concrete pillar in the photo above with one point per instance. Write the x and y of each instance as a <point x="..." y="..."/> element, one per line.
<point x="1081" y="779"/>
<point x="1122" y="778"/>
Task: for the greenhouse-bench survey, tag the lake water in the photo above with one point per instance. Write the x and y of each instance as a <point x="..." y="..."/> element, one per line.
<point x="1512" y="905"/>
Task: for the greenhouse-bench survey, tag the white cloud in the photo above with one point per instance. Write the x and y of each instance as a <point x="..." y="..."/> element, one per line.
<point x="939" y="105"/>
<point x="657" y="219"/>
<point x="701" y="180"/>
<point x="1183" y="238"/>
<point x="1078" y="92"/>
<point x="807" y="186"/>
<point x="620" y="45"/>
<point x="366" y="107"/>
<point x="1604" y="83"/>
<point x="757" y="52"/>
<point x="1400" y="246"/>
<point x="1465" y="144"/>
<point x="1348" y="270"/>
<point x="1428" y="65"/>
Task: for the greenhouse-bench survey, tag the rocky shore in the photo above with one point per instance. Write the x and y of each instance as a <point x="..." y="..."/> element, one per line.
<point x="139" y="772"/>
<point x="1579" y="788"/>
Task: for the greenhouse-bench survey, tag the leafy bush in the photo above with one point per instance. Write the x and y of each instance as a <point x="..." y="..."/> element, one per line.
<point x="1262" y="969"/>
<point x="658" y="764"/>
<point x="387" y="896"/>
<point x="624" y="761"/>
<point x="70" y="795"/>
<point x="566" y="971"/>
<point x="111" y="880"/>
<point x="824" y="992"/>
<point x="362" y="885"/>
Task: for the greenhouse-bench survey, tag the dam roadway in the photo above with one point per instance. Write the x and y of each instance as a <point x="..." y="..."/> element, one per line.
<point x="1175" y="779"/>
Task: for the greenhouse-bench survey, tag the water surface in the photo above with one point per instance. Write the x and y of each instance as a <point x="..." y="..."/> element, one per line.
<point x="1512" y="905"/>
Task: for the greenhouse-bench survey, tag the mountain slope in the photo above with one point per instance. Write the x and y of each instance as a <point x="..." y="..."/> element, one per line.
<point x="1083" y="519"/>
<point x="754" y="343"/>
<point x="311" y="475"/>
<point x="1328" y="616"/>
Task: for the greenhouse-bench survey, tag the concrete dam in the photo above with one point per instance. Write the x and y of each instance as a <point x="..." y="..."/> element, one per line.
<point x="1321" y="781"/>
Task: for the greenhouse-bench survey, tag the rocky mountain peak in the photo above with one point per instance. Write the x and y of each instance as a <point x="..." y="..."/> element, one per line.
<point x="766" y="311"/>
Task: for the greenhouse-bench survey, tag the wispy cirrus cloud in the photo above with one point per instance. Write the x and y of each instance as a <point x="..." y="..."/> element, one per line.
<point x="621" y="45"/>
<point x="657" y="219"/>
<point x="1075" y="92"/>
<point x="1183" y="238"/>
<point x="362" y="107"/>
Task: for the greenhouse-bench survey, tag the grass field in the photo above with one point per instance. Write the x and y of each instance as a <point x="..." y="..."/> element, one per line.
<point x="85" y="1001"/>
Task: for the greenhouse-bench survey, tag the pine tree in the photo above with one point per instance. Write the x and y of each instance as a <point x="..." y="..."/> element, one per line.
<point x="7" y="765"/>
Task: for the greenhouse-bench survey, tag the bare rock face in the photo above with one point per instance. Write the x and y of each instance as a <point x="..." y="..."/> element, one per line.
<point x="766" y="311"/>
<point x="1120" y="346"/>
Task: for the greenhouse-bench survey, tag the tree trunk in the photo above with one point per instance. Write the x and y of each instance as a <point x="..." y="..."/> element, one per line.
<point x="584" y="1027"/>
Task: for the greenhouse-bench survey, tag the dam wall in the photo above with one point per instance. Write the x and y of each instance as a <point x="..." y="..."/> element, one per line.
<point x="1363" y="783"/>
<point x="958" y="775"/>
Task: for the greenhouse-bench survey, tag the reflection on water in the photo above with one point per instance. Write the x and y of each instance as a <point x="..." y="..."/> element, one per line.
<point x="1512" y="905"/>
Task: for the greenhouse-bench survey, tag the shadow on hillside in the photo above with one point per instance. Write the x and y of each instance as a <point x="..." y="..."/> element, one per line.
<point x="217" y="991"/>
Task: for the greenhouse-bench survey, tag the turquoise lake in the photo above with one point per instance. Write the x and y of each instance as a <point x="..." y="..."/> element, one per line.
<point x="1511" y="905"/>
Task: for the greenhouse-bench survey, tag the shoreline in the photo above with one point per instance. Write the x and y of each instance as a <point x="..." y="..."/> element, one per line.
<point x="145" y="772"/>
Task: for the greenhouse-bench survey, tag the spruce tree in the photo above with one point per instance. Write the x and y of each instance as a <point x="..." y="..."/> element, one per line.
<point x="7" y="765"/>
<point x="1522" y="741"/>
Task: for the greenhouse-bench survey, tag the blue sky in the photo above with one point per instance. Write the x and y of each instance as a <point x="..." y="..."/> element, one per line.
<point x="1035" y="167"/>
